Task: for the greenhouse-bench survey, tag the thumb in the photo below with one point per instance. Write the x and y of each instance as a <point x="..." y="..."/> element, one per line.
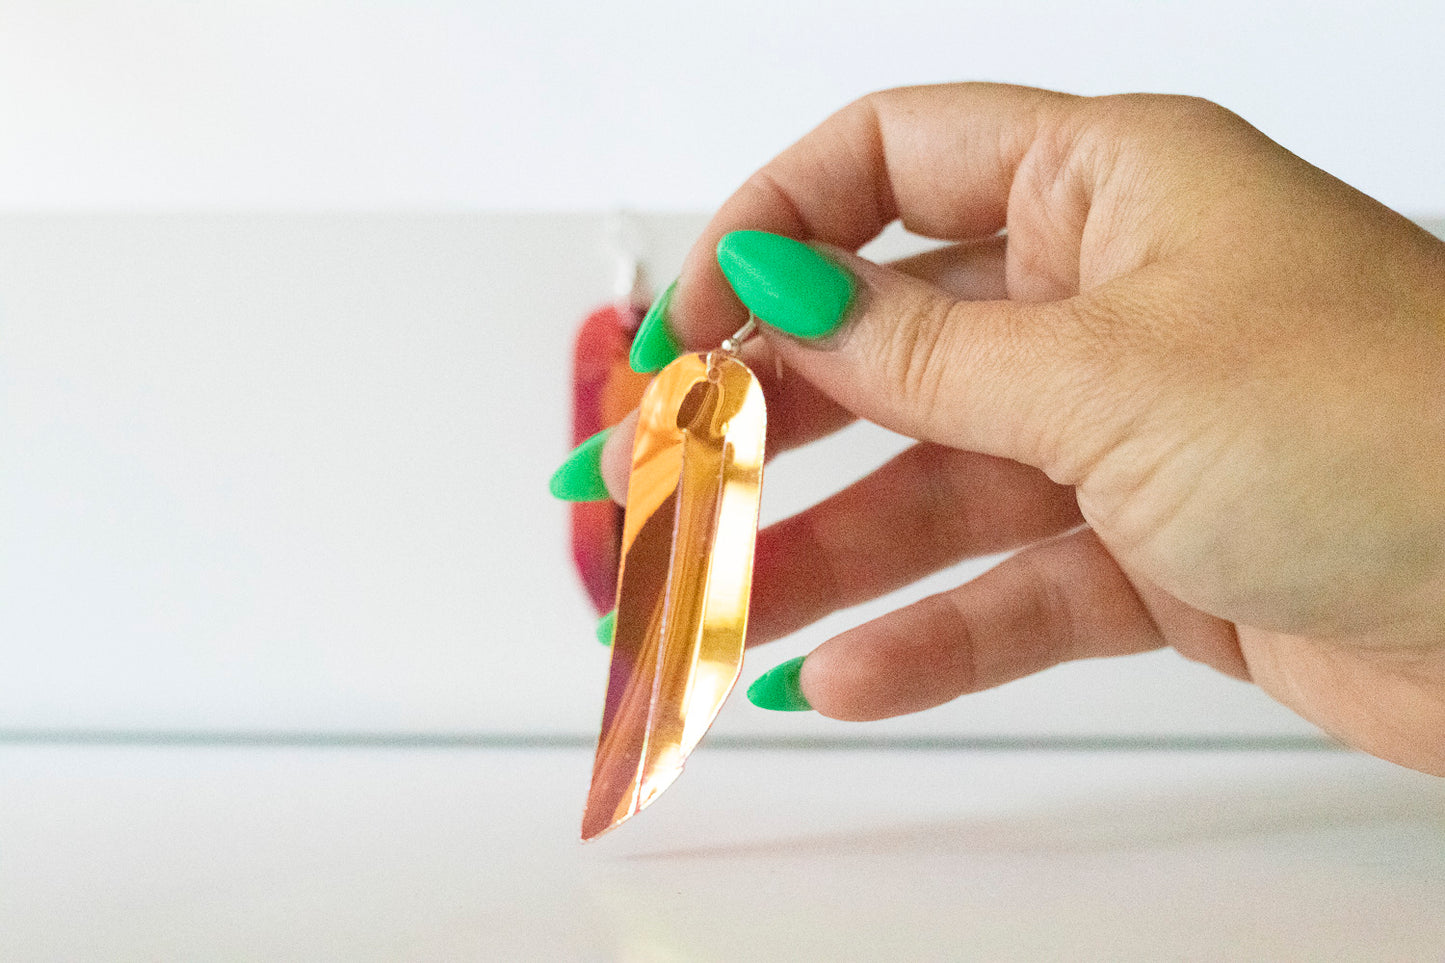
<point x="1006" y="378"/>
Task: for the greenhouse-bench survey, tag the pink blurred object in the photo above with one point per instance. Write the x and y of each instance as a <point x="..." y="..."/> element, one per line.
<point x="604" y="390"/>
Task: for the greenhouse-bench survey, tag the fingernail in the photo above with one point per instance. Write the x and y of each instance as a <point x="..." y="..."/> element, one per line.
<point x="778" y="688"/>
<point x="786" y="283"/>
<point x="580" y="477"/>
<point x="606" y="626"/>
<point x="654" y="347"/>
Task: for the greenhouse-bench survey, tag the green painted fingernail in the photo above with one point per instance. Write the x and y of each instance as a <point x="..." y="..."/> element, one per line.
<point x="606" y="626"/>
<point x="654" y="347"/>
<point x="580" y="477"/>
<point x="786" y="283"/>
<point x="778" y="688"/>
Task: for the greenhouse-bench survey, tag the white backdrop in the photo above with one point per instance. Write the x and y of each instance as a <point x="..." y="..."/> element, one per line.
<point x="288" y="472"/>
<point x="269" y="470"/>
<point x="563" y="105"/>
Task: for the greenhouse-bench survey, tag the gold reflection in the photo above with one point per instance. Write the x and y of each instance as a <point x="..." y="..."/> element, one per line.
<point x="685" y="579"/>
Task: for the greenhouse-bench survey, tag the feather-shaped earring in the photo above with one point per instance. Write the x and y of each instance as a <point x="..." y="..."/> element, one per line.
<point x="685" y="576"/>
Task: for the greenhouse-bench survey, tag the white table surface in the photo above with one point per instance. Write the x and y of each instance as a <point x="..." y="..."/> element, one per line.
<point x="359" y="854"/>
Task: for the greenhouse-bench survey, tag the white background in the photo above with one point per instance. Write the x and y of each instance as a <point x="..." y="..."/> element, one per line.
<point x="282" y="470"/>
<point x="565" y="105"/>
<point x="288" y="472"/>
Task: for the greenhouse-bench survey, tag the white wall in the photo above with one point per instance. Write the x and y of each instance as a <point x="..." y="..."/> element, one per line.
<point x="426" y="103"/>
<point x="288" y="472"/>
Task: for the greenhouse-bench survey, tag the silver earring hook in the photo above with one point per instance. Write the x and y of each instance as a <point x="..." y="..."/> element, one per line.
<point x="630" y="289"/>
<point x="734" y="343"/>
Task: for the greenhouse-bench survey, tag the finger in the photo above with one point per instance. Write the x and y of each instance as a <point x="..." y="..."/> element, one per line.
<point x="1002" y="377"/>
<point x="926" y="509"/>
<point x="968" y="271"/>
<point x="1050" y="384"/>
<point x="1193" y="633"/>
<point x="616" y="458"/>
<point x="1062" y="600"/>
<point x="943" y="159"/>
<point x="798" y="412"/>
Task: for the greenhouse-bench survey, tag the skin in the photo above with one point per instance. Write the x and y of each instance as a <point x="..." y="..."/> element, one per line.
<point x="1199" y="384"/>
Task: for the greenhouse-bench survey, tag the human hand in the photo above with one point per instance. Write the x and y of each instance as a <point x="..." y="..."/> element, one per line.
<point x="1227" y="363"/>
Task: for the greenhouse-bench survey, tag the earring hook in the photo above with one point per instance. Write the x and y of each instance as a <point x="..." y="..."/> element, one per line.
<point x="630" y="290"/>
<point x="733" y="343"/>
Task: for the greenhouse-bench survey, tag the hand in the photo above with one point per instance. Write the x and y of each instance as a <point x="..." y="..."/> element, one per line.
<point x="1198" y="382"/>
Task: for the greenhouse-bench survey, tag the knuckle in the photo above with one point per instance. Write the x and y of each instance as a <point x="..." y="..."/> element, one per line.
<point x="773" y="193"/>
<point x="1126" y="114"/>
<point x="1051" y="606"/>
<point x="1126" y="136"/>
<point x="955" y="668"/>
<point x="1079" y="416"/>
<point x="918" y="353"/>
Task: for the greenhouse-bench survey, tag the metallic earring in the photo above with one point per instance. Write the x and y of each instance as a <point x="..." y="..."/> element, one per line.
<point x="685" y="575"/>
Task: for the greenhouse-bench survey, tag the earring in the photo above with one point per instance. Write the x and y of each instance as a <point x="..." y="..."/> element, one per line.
<point x="685" y="576"/>
<point x="604" y="390"/>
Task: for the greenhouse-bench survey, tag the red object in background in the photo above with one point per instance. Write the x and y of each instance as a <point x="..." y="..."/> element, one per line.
<point x="604" y="390"/>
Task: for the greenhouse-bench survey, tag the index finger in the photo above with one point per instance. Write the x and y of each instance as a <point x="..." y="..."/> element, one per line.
<point x="941" y="158"/>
